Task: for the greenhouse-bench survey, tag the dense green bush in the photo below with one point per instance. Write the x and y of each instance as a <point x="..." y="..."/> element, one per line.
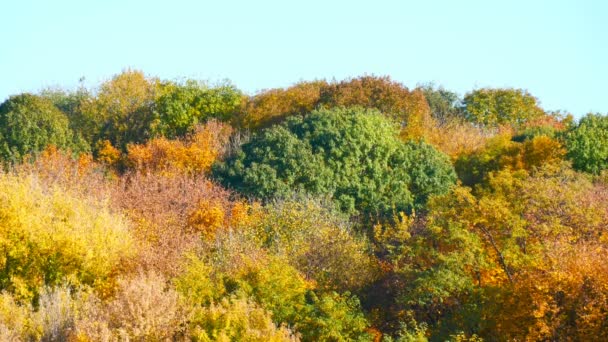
<point x="587" y="144"/>
<point x="352" y="155"/>
<point x="28" y="124"/>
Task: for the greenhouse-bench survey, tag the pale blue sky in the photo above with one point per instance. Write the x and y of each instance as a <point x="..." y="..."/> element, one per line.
<point x="558" y="50"/>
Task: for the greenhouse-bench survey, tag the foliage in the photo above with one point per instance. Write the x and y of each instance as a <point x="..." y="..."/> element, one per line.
<point x="28" y="124"/>
<point x="347" y="224"/>
<point x="409" y="108"/>
<point x="445" y="105"/>
<point x="476" y="248"/>
<point x="49" y="236"/>
<point x="501" y="106"/>
<point x="587" y="144"/>
<point x="317" y="241"/>
<point x="237" y="319"/>
<point x="276" y="105"/>
<point x="501" y="153"/>
<point x="193" y="155"/>
<point x="180" y="107"/>
<point x="350" y="155"/>
<point x="122" y="110"/>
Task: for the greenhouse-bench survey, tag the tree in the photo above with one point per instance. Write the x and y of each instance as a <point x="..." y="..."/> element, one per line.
<point x="444" y="104"/>
<point x="501" y="106"/>
<point x="180" y="107"/>
<point x="352" y="155"/>
<point x="28" y="124"/>
<point x="408" y="108"/>
<point x="587" y="144"/>
<point x="275" y="105"/>
<point x="122" y="111"/>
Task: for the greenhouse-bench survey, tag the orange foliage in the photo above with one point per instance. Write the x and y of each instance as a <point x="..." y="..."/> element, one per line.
<point x="107" y="153"/>
<point x="456" y="138"/>
<point x="274" y="105"/>
<point x="211" y="216"/>
<point x="194" y="155"/>
<point x="409" y="108"/>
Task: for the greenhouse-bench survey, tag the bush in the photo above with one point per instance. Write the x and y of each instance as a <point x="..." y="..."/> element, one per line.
<point x="193" y="155"/>
<point x="49" y="236"/>
<point x="237" y="319"/>
<point x="352" y="155"/>
<point x="319" y="242"/>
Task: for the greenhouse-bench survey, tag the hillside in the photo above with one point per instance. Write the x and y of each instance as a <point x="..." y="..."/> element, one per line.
<point x="355" y="210"/>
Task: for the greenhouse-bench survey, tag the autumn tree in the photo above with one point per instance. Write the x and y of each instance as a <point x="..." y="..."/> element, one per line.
<point x="122" y="110"/>
<point x="275" y="105"/>
<point x="501" y="106"/>
<point x="408" y="108"/>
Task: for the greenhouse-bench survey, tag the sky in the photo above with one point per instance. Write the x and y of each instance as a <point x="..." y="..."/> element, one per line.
<point x="557" y="50"/>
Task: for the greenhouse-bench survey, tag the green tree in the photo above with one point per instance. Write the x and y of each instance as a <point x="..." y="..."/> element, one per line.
<point x="587" y="144"/>
<point x="181" y="106"/>
<point x="70" y="103"/>
<point x="28" y="124"/>
<point x="501" y="106"/>
<point x="352" y="155"/>
<point x="444" y="104"/>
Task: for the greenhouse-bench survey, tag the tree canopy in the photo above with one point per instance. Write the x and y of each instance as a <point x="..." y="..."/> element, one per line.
<point x="352" y="155"/>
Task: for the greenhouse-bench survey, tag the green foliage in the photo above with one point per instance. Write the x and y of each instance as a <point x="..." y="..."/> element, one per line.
<point x="180" y="107"/>
<point x="351" y="155"/>
<point x="334" y="317"/>
<point x="587" y="144"/>
<point x="501" y="106"/>
<point x="444" y="104"/>
<point x="70" y="104"/>
<point x="28" y="124"/>
<point x="238" y="268"/>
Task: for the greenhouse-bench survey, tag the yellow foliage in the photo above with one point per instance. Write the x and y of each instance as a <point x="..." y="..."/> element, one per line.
<point x="50" y="236"/>
<point x="238" y="319"/>
<point x="207" y="218"/>
<point x="107" y="154"/>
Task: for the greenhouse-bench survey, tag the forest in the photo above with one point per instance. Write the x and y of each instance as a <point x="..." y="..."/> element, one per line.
<point x="146" y="209"/>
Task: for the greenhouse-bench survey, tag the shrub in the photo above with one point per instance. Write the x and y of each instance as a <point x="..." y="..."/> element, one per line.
<point x="319" y="242"/>
<point x="49" y="236"/>
<point x="237" y="319"/>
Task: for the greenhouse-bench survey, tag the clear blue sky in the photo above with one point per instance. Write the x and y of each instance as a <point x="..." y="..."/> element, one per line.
<point x="558" y="50"/>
